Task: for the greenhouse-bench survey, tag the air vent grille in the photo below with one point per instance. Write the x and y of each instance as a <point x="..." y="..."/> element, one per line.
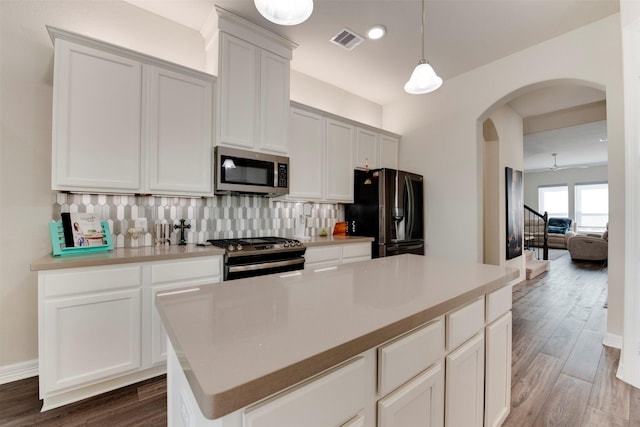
<point x="347" y="39"/>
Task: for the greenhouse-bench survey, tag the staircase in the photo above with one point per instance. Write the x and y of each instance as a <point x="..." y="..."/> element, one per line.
<point x="535" y="267"/>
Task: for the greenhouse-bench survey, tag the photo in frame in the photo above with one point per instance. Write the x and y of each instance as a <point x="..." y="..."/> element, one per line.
<point x="515" y="210"/>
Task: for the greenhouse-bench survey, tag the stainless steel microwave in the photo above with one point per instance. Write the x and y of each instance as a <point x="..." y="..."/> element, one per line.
<point x="242" y="171"/>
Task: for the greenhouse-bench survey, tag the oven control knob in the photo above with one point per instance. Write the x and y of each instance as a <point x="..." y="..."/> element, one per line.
<point x="285" y="244"/>
<point x="231" y="248"/>
<point x="239" y="247"/>
<point x="298" y="243"/>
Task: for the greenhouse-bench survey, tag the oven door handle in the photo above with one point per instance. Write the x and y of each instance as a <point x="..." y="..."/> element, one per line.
<point x="265" y="265"/>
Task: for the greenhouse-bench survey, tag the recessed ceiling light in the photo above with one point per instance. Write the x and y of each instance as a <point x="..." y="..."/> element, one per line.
<point x="376" y="32"/>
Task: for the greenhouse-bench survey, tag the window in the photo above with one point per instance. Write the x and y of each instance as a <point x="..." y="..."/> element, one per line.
<point x="592" y="206"/>
<point x="554" y="200"/>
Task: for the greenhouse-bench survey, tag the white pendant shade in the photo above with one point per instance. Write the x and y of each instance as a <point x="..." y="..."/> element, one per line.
<point x="423" y="80"/>
<point x="285" y="12"/>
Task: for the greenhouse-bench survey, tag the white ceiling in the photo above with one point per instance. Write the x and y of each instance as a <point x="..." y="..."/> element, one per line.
<point x="460" y="35"/>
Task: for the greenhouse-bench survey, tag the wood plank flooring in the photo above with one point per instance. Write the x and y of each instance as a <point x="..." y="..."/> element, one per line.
<point x="562" y="375"/>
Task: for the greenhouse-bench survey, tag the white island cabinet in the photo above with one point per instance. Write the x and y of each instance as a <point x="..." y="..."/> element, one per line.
<point x="125" y="122"/>
<point x="367" y="344"/>
<point x="98" y="328"/>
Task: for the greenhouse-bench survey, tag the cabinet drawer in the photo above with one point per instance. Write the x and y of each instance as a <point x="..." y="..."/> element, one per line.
<point x="329" y="253"/>
<point x="89" y="279"/>
<point x="341" y="390"/>
<point x="407" y="356"/>
<point x="192" y="269"/>
<point x="463" y="323"/>
<point x="356" y="250"/>
<point x="498" y="303"/>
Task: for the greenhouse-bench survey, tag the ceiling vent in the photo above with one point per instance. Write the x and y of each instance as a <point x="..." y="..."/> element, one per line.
<point x="347" y="39"/>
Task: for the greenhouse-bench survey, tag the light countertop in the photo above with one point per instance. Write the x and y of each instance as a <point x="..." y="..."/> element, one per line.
<point x="159" y="253"/>
<point x="244" y="340"/>
<point x="123" y="256"/>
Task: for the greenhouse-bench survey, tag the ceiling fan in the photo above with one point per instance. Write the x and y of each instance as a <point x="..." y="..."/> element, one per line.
<point x="555" y="166"/>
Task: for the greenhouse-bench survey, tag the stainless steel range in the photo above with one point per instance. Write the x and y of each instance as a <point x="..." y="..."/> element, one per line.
<point x="256" y="256"/>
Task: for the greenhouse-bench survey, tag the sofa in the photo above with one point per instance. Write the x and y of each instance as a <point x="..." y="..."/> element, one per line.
<point x="559" y="231"/>
<point x="589" y="247"/>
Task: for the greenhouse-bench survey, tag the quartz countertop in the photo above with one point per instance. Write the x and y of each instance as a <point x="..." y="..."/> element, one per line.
<point x="159" y="253"/>
<point x="243" y="340"/>
<point x="124" y="255"/>
<point x="311" y="242"/>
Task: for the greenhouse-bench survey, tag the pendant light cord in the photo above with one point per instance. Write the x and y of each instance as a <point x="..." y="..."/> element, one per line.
<point x="422" y="32"/>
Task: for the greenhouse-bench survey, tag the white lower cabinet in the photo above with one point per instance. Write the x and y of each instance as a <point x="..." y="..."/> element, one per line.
<point x="498" y="361"/>
<point x="333" y="255"/>
<point x="98" y="328"/>
<point x="90" y="337"/>
<point x="341" y="390"/>
<point x="420" y="402"/>
<point x="464" y="397"/>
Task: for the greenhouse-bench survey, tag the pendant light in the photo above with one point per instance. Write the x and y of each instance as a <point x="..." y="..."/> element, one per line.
<point x="423" y="79"/>
<point x="285" y="12"/>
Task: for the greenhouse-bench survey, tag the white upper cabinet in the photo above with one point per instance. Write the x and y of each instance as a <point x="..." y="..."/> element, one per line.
<point x="306" y="158"/>
<point x="339" y="171"/>
<point x="274" y="102"/>
<point x="253" y="81"/>
<point x="238" y="92"/>
<point x="320" y="158"/>
<point x="180" y="134"/>
<point x="124" y="122"/>
<point x="388" y="151"/>
<point x="367" y="148"/>
<point x="375" y="150"/>
<point x="97" y="120"/>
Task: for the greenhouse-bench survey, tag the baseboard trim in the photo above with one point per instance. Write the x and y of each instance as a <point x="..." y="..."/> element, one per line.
<point x="18" y="371"/>
<point x="612" y="340"/>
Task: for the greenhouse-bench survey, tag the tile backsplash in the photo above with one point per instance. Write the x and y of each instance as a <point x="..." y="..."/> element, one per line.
<point x="210" y="218"/>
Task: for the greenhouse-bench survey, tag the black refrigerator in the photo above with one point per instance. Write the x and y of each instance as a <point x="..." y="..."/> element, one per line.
<point x="388" y="206"/>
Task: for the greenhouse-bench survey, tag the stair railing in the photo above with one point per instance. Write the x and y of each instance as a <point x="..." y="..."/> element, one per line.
<point x="533" y="234"/>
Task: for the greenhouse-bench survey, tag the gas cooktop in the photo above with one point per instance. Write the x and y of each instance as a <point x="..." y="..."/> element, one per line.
<point x="256" y="244"/>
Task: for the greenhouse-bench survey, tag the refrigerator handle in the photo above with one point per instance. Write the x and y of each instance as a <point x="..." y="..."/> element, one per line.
<point x="410" y="207"/>
<point x="397" y="212"/>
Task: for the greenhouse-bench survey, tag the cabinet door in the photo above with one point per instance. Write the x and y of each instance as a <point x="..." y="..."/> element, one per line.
<point x="97" y="120"/>
<point x="355" y="252"/>
<point x="175" y="274"/>
<point x="274" y="103"/>
<point x="339" y="170"/>
<point x="306" y="159"/>
<point x="465" y="384"/>
<point x="90" y="337"/>
<point x="179" y="138"/>
<point x="367" y="147"/>
<point x="328" y="400"/>
<point x="388" y="152"/>
<point x="498" y="378"/>
<point x="420" y="402"/>
<point x="238" y="92"/>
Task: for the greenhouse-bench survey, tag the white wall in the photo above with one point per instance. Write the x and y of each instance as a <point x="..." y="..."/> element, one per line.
<point x="442" y="138"/>
<point x="26" y="75"/>
<point x="629" y="368"/>
<point x="569" y="177"/>
<point x="508" y="126"/>
<point x="315" y="93"/>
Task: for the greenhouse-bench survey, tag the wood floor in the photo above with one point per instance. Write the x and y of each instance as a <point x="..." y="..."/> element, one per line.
<point x="562" y="375"/>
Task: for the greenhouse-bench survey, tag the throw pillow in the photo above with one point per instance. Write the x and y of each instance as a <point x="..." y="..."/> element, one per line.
<point x="557" y="230"/>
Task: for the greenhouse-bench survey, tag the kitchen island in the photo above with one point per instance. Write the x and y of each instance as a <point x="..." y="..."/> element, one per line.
<point x="252" y="351"/>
